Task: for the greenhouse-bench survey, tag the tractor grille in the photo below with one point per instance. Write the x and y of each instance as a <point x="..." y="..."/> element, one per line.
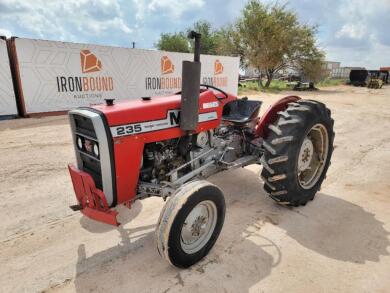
<point x="88" y="161"/>
<point x="92" y="167"/>
<point x="84" y="126"/>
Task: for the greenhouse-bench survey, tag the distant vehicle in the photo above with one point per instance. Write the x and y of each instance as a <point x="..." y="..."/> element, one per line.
<point x="291" y="78"/>
<point x="358" y="77"/>
<point x="384" y="76"/>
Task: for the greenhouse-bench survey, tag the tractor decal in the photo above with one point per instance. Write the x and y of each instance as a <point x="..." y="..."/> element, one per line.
<point x="172" y="120"/>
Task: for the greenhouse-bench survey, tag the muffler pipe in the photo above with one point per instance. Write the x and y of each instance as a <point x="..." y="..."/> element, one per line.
<point x="190" y="88"/>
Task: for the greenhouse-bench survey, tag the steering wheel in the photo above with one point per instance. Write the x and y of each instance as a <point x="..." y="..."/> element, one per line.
<point x="207" y="86"/>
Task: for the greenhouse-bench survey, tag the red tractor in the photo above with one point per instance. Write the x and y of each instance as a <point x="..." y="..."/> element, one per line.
<point x="167" y="146"/>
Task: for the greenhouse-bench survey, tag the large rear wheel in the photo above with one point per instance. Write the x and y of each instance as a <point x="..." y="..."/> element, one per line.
<point x="297" y="152"/>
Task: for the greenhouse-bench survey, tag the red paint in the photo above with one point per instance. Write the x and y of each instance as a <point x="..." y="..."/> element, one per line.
<point x="271" y="114"/>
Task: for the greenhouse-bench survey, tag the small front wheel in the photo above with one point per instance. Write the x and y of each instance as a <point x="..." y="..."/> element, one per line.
<point x="190" y="223"/>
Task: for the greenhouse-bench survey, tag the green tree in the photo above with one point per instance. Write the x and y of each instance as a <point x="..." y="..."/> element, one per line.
<point x="214" y="42"/>
<point x="228" y="43"/>
<point x="272" y="38"/>
<point x="208" y="44"/>
<point x="176" y="42"/>
<point x="313" y="70"/>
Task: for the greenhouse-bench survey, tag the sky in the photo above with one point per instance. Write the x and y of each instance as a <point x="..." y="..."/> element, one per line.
<point x="353" y="32"/>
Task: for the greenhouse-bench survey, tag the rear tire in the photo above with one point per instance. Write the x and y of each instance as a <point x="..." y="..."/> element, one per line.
<point x="190" y="223"/>
<point x="297" y="152"/>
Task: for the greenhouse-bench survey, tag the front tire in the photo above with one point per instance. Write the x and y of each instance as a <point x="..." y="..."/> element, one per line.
<point x="297" y="152"/>
<point x="190" y="223"/>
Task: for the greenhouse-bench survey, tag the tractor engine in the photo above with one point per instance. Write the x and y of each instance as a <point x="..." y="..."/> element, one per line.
<point x="158" y="159"/>
<point x="223" y="145"/>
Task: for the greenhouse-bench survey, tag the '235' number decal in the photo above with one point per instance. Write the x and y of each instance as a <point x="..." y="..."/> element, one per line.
<point x="129" y="129"/>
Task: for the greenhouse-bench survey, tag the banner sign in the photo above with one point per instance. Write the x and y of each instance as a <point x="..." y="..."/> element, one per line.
<point x="7" y="95"/>
<point x="58" y="76"/>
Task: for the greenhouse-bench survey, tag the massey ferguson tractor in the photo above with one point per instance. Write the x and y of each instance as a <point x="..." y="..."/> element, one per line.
<point x="166" y="146"/>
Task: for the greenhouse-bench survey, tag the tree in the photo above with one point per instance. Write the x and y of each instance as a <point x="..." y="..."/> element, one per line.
<point x="272" y="39"/>
<point x="214" y="42"/>
<point x="228" y="43"/>
<point x="313" y="70"/>
<point x="208" y="44"/>
<point x="176" y="42"/>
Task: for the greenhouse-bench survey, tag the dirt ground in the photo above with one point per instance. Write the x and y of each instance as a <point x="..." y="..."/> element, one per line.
<point x="339" y="242"/>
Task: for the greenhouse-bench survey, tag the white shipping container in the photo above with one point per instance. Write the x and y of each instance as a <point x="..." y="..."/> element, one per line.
<point x="58" y="76"/>
<point x="7" y="95"/>
<point x="341" y="72"/>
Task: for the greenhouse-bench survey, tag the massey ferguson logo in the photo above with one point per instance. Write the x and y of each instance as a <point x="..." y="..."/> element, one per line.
<point x="87" y="86"/>
<point x="164" y="82"/>
<point x="218" y="79"/>
<point x="89" y="62"/>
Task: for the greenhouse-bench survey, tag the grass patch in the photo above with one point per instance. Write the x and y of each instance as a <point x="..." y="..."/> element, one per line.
<point x="331" y="82"/>
<point x="252" y="87"/>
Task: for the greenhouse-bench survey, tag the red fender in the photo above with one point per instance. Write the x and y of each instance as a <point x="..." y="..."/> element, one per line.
<point x="271" y="114"/>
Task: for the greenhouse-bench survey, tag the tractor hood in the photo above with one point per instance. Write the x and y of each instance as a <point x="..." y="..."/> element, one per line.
<point x="141" y="110"/>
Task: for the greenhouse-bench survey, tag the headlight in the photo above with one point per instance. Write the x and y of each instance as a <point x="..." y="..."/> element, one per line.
<point x="79" y="143"/>
<point x="96" y="150"/>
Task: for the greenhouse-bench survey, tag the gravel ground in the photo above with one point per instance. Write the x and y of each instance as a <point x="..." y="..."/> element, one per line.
<point x="339" y="242"/>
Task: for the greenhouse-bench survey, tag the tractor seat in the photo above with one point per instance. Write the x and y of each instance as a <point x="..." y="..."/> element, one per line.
<point x="241" y="111"/>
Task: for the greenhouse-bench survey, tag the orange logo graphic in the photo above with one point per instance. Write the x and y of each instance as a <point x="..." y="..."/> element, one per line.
<point x="218" y="67"/>
<point x="89" y="62"/>
<point x="166" y="65"/>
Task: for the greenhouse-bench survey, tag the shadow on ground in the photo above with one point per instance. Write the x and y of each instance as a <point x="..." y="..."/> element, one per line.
<point x="329" y="226"/>
<point x="338" y="229"/>
<point x="125" y="216"/>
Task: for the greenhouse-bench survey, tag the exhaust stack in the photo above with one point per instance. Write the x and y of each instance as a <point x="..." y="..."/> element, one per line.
<point x="190" y="88"/>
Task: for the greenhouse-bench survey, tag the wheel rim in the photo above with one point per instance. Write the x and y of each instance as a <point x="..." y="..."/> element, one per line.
<point x="312" y="156"/>
<point x="198" y="227"/>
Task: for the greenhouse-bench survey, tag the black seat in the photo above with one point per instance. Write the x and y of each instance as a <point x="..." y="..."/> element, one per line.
<point x="241" y="111"/>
